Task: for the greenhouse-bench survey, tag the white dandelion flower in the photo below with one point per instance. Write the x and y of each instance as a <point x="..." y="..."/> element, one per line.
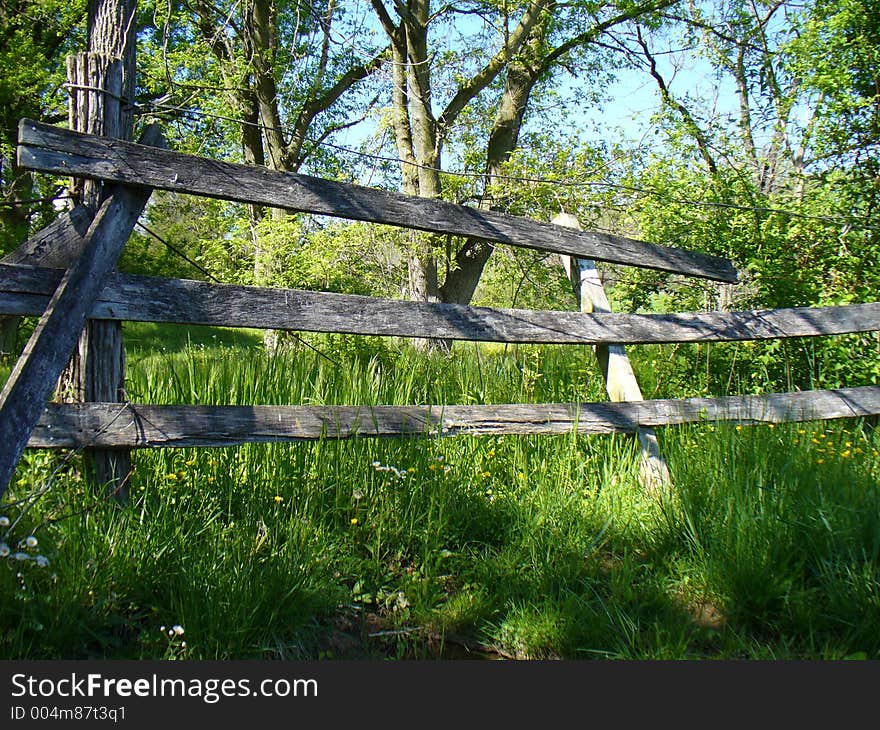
<point x="4" y="521"/>
<point x="4" y="550"/>
<point x="21" y="556"/>
<point x="42" y="561"/>
<point x="30" y="541"/>
<point x="177" y="629"/>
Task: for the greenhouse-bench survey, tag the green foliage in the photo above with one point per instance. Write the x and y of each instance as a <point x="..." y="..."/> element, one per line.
<point x="836" y="53"/>
<point x="34" y="37"/>
<point x="355" y="258"/>
<point x="212" y="234"/>
<point x="815" y="250"/>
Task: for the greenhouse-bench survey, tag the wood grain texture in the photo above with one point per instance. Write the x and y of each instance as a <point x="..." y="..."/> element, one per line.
<point x="57" y="244"/>
<point x="25" y="291"/>
<point x="148" y="426"/>
<point x="50" y="149"/>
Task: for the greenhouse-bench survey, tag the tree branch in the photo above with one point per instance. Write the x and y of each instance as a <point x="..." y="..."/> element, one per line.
<point x="689" y="122"/>
<point x="496" y="64"/>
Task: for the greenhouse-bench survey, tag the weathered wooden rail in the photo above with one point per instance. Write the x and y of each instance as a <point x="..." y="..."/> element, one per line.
<point x="149" y="426"/>
<point x="39" y="279"/>
<point x="50" y="149"/>
<point x="25" y="290"/>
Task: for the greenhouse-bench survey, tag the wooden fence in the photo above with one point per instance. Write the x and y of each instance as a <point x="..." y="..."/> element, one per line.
<point x="88" y="289"/>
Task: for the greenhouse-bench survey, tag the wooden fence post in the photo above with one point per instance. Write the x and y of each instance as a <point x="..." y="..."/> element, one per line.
<point x="97" y="368"/>
<point x="620" y="380"/>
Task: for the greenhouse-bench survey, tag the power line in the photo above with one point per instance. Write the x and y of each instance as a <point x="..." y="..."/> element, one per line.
<point x="213" y="278"/>
<point x="32" y="201"/>
<point x="772" y="210"/>
<point x="180" y="253"/>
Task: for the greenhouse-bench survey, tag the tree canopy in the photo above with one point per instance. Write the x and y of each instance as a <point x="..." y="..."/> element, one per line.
<point x="763" y="144"/>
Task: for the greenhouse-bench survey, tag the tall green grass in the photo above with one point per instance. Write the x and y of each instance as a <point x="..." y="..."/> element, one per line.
<point x="522" y="546"/>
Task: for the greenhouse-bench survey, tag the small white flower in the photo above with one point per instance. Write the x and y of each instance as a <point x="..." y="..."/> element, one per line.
<point x="357" y="494"/>
<point x="162" y="629"/>
<point x="42" y="561"/>
<point x="177" y="629"/>
<point x="4" y="550"/>
<point x="22" y="556"/>
<point x="30" y="541"/>
<point x="376" y="464"/>
<point x="4" y="521"/>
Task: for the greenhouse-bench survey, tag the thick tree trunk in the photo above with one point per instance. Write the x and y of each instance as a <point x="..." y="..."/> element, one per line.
<point x="462" y="280"/>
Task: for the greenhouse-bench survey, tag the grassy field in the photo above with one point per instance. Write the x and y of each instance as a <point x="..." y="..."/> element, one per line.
<point x="526" y="547"/>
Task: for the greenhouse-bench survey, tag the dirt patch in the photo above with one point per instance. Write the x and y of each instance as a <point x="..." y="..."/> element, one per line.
<point x="704" y="613"/>
<point x="361" y="634"/>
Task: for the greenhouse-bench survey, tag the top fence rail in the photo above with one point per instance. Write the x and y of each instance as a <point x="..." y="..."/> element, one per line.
<point x="49" y="149"/>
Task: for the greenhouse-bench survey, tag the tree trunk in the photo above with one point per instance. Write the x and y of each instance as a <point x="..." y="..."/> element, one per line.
<point x="102" y="85"/>
<point x="462" y="280"/>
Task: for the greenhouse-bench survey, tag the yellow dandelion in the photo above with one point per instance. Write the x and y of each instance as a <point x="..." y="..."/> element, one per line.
<point x="432" y="467"/>
<point x="190" y="462"/>
<point x="739" y="428"/>
<point x="278" y="499"/>
<point x="172" y="477"/>
<point x="820" y="461"/>
<point x="845" y="454"/>
<point x="815" y="441"/>
<point x="354" y="521"/>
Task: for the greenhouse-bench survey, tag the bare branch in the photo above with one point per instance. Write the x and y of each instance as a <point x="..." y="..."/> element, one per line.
<point x="689" y="121"/>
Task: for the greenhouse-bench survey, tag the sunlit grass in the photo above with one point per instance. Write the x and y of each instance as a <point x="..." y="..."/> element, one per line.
<point x="768" y="546"/>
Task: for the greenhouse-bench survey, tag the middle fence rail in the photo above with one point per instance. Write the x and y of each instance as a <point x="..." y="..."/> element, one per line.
<point x="25" y="290"/>
<point x="151" y="426"/>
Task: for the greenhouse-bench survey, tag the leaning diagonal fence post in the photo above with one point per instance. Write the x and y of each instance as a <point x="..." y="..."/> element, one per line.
<point x="54" y="246"/>
<point x="36" y="372"/>
<point x="620" y="380"/>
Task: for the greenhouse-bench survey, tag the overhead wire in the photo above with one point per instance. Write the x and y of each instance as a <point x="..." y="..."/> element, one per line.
<point x="163" y="108"/>
<point x="213" y="278"/>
